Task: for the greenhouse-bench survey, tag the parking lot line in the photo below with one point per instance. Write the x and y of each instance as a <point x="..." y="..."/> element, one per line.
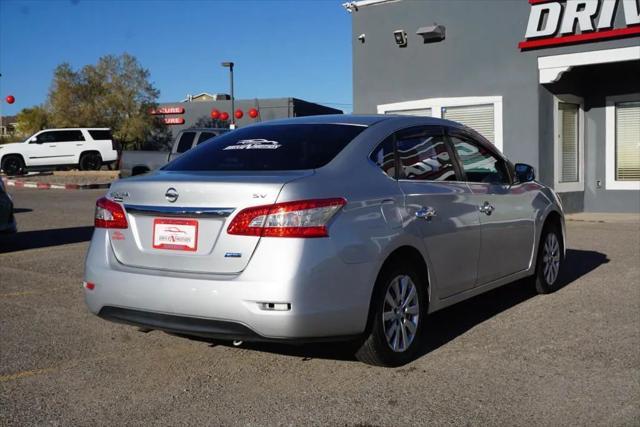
<point x="27" y="293"/>
<point x="25" y="374"/>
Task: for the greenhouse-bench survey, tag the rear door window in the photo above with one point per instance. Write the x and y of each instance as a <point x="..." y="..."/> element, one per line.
<point x="185" y="142"/>
<point x="205" y="136"/>
<point x="423" y="155"/>
<point x="269" y="147"/>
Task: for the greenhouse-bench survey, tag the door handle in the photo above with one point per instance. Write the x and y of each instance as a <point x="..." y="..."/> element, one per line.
<point x="426" y="213"/>
<point x="52" y="145"/>
<point x="487" y="208"/>
<point x="79" y="145"/>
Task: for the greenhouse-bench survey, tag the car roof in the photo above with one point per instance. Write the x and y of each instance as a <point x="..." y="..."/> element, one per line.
<point x="74" y="129"/>
<point x="362" y="120"/>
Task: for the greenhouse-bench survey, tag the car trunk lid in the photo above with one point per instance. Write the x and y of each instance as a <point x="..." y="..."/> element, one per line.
<point x="178" y="221"/>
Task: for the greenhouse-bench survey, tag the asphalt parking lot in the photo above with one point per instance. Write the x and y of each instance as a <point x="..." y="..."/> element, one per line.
<point x="507" y="357"/>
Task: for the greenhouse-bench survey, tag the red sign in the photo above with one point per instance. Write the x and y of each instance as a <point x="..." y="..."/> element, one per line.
<point x="167" y="110"/>
<point x="173" y="120"/>
<point x="555" y="22"/>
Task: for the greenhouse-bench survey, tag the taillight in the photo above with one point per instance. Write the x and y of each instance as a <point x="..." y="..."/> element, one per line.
<point x="305" y="218"/>
<point x="109" y="214"/>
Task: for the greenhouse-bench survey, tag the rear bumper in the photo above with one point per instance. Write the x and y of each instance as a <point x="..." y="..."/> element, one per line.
<point x="205" y="328"/>
<point x="193" y="326"/>
<point x="326" y="297"/>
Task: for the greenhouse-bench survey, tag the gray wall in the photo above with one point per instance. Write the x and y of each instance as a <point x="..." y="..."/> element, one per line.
<point x="594" y="84"/>
<point x="479" y="57"/>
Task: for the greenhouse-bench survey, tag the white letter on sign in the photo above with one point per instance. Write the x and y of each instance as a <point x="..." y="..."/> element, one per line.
<point x="553" y="11"/>
<point x="572" y="14"/>
<point x="606" y="14"/>
<point x="631" y="13"/>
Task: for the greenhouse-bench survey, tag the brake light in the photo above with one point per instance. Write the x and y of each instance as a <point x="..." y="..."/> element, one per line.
<point x="305" y="218"/>
<point x="109" y="214"/>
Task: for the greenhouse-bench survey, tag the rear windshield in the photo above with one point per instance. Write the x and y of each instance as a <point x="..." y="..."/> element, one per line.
<point x="266" y="148"/>
<point x="100" y="134"/>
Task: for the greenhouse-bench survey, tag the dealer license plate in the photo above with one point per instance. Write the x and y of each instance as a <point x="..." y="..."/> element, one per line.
<point x="175" y="234"/>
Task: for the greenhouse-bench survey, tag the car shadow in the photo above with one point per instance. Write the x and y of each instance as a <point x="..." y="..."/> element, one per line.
<point x="24" y="240"/>
<point x="445" y="325"/>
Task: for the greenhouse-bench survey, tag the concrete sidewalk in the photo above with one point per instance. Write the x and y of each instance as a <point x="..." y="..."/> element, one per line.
<point x="614" y="218"/>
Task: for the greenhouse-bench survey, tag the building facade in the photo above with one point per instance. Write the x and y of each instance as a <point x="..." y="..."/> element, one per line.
<point x="552" y="83"/>
<point x="205" y="110"/>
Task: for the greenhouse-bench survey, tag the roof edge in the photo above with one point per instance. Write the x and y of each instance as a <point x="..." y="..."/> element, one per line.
<point x="353" y="6"/>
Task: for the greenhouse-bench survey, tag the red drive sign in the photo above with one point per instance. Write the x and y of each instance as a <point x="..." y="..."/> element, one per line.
<point x="562" y="22"/>
<point x="166" y="110"/>
<point x="173" y="120"/>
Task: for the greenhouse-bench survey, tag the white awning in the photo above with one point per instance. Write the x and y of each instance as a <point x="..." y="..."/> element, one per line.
<point x="552" y="67"/>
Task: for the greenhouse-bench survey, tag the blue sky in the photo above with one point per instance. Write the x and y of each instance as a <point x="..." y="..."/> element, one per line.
<point x="281" y="48"/>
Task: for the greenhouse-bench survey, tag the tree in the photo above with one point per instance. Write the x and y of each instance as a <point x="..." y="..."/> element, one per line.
<point x="31" y="120"/>
<point x="114" y="93"/>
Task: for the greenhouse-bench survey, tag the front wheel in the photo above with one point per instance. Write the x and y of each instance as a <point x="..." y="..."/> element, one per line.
<point x="13" y="165"/>
<point x="398" y="311"/>
<point x="550" y="261"/>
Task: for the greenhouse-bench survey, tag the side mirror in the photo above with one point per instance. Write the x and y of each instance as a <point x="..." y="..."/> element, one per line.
<point x="525" y="172"/>
<point x="33" y="140"/>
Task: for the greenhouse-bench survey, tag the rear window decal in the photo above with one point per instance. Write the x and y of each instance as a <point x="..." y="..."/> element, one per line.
<point x="254" y="144"/>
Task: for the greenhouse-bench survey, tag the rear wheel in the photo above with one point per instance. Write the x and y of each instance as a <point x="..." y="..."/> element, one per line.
<point x="550" y="260"/>
<point x="13" y="165"/>
<point x="398" y="312"/>
<point x="90" y="162"/>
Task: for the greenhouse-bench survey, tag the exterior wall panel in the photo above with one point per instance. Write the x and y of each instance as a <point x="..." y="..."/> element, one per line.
<point x="480" y="57"/>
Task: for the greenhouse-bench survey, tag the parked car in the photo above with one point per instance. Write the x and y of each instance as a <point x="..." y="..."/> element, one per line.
<point x="7" y="218"/>
<point x="49" y="149"/>
<point x="312" y="229"/>
<point x="142" y="161"/>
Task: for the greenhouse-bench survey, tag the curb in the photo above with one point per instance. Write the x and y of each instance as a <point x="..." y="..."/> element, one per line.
<point x="47" y="186"/>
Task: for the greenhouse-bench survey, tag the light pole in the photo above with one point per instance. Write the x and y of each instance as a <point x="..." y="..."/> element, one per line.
<point x="229" y="65"/>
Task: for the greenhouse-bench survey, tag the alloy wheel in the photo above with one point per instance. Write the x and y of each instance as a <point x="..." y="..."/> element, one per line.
<point x="551" y="258"/>
<point x="400" y="313"/>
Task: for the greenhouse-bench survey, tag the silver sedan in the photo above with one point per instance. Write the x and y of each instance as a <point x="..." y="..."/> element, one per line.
<point x="322" y="228"/>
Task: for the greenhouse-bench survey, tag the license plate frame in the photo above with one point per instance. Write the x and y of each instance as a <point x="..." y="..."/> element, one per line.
<point x="178" y="234"/>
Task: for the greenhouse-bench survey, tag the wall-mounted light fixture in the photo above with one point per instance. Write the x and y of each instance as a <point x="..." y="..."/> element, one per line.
<point x="361" y="37"/>
<point x="400" y="37"/>
<point x="432" y="33"/>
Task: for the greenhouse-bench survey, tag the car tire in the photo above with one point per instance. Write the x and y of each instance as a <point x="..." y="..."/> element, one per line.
<point x="550" y="260"/>
<point x="13" y="165"/>
<point x="90" y="162"/>
<point x="397" y="315"/>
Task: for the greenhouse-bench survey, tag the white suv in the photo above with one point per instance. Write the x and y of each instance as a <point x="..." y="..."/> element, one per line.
<point x="85" y="148"/>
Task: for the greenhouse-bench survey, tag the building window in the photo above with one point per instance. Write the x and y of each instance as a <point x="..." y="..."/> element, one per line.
<point x="623" y="142"/>
<point x="628" y="141"/>
<point x="568" y="125"/>
<point x="481" y="113"/>
<point x="426" y="112"/>
<point x="481" y="118"/>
